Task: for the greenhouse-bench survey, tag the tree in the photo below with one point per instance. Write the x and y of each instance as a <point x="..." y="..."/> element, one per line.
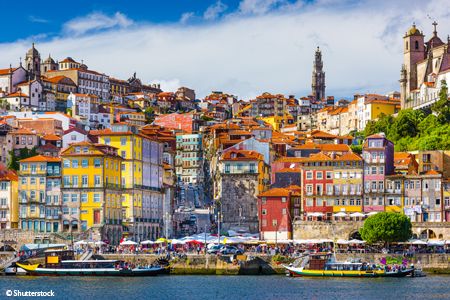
<point x="406" y="124"/>
<point x="14" y="160"/>
<point x="386" y="227"/>
<point x="441" y="108"/>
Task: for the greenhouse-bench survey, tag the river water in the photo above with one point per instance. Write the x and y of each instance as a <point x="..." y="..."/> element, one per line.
<point x="231" y="287"/>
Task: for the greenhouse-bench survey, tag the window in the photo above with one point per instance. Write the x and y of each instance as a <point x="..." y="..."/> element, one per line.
<point x="84" y="163"/>
<point x="65" y="197"/>
<point x="66" y="163"/>
<point x="309" y="202"/>
<point x="97" y="163"/>
<point x="319" y="175"/>
<point x="329" y="175"/>
<point x="274" y="222"/>
<point x="227" y="168"/>
<point x="75" y="181"/>
<point x="84" y="198"/>
<point x="374" y="170"/>
<point x="309" y="175"/>
<point x="32" y="180"/>
<point x="96" y="197"/>
<point x="123" y="141"/>
<point x="309" y="189"/>
<point x="264" y="212"/>
<point x="283" y="199"/>
<point x="84" y="180"/>
<point x="74" y="197"/>
<point x="75" y="163"/>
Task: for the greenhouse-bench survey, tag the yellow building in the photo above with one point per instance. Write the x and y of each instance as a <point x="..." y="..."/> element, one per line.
<point x="39" y="193"/>
<point x="129" y="144"/>
<point x="91" y="190"/>
<point x="377" y="107"/>
<point x="394" y="193"/>
<point x="347" y="183"/>
<point x="9" y="204"/>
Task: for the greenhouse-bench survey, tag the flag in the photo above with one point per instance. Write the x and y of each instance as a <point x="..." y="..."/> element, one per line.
<point x="383" y="261"/>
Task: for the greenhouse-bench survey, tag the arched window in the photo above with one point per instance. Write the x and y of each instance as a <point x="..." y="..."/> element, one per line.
<point x="416" y="45"/>
<point x="406" y="47"/>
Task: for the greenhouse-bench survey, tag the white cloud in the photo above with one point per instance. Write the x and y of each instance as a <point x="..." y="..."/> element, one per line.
<point x="247" y="55"/>
<point x="258" y="7"/>
<point x="214" y="11"/>
<point x="35" y="19"/>
<point x="185" y="17"/>
<point x="96" y="21"/>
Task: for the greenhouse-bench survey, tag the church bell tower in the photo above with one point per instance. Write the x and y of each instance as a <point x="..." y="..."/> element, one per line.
<point x="318" y="77"/>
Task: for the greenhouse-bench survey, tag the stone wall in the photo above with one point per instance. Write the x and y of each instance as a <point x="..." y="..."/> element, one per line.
<point x="345" y="230"/>
<point x="239" y="201"/>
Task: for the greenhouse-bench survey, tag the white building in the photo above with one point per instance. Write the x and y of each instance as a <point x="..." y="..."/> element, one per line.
<point x="10" y="77"/>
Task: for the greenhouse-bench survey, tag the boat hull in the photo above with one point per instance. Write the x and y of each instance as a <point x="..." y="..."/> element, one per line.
<point x="298" y="272"/>
<point x="36" y="271"/>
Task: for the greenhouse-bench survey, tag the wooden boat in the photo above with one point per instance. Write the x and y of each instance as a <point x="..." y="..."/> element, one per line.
<point x="324" y="265"/>
<point x="62" y="263"/>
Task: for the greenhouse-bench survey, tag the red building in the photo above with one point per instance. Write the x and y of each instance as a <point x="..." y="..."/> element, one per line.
<point x="188" y="122"/>
<point x="275" y="212"/>
<point x="317" y="172"/>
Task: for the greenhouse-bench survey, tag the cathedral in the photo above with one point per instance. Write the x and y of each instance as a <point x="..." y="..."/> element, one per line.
<point x="425" y="66"/>
<point x="318" y="77"/>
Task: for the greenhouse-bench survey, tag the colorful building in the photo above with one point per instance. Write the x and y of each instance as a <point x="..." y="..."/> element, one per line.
<point x="141" y="179"/>
<point x="378" y="155"/>
<point x="275" y="212"/>
<point x="39" y="194"/>
<point x="9" y="204"/>
<point x="92" y="191"/>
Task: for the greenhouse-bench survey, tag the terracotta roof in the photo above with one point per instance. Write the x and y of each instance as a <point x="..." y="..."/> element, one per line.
<point x="375" y="136"/>
<point x="241" y="155"/>
<point x="322" y="134"/>
<point x="318" y="157"/>
<point x="16" y="94"/>
<point x="75" y="129"/>
<point x="289" y="170"/>
<point x="349" y="156"/>
<point x="432" y="172"/>
<point x="23" y="131"/>
<point x="41" y="158"/>
<point x="51" y="137"/>
<point x="7" y="175"/>
<point x="274" y="192"/>
<point x="7" y="71"/>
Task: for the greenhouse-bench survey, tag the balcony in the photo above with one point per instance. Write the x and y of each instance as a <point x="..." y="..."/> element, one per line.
<point x="3" y="219"/>
<point x="4" y="206"/>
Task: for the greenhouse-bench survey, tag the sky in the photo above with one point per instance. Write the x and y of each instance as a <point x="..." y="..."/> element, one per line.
<point x="240" y="47"/>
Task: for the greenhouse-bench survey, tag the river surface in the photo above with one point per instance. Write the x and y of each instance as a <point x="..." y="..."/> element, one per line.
<point x="230" y="287"/>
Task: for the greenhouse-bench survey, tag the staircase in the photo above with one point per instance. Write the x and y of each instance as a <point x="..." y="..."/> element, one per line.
<point x="86" y="255"/>
<point x="9" y="262"/>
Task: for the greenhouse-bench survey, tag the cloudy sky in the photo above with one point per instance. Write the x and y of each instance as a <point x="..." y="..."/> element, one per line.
<point x="240" y="47"/>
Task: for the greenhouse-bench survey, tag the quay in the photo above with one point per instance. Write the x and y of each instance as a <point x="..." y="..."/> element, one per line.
<point x="259" y="264"/>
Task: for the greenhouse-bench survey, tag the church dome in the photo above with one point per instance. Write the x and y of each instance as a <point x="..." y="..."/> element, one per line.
<point x="49" y="60"/>
<point x="414" y="31"/>
<point x="32" y="51"/>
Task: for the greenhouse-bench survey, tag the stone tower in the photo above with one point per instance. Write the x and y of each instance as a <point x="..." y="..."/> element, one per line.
<point x="33" y="63"/>
<point x="318" y="77"/>
<point x="413" y="52"/>
<point x="49" y="65"/>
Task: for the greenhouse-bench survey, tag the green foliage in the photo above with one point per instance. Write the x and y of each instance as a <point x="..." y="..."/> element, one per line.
<point x="278" y="258"/>
<point x="412" y="130"/>
<point x="441" y="108"/>
<point x="356" y="148"/>
<point x="13" y="162"/>
<point x="386" y="227"/>
<point x="206" y="118"/>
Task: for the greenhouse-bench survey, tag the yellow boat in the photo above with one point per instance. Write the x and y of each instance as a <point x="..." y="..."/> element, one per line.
<point x="324" y="265"/>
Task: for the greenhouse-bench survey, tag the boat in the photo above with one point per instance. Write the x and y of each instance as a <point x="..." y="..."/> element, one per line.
<point x="325" y="265"/>
<point x="62" y="263"/>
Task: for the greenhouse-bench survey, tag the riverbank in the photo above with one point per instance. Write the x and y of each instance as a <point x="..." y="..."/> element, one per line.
<point x="265" y="264"/>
